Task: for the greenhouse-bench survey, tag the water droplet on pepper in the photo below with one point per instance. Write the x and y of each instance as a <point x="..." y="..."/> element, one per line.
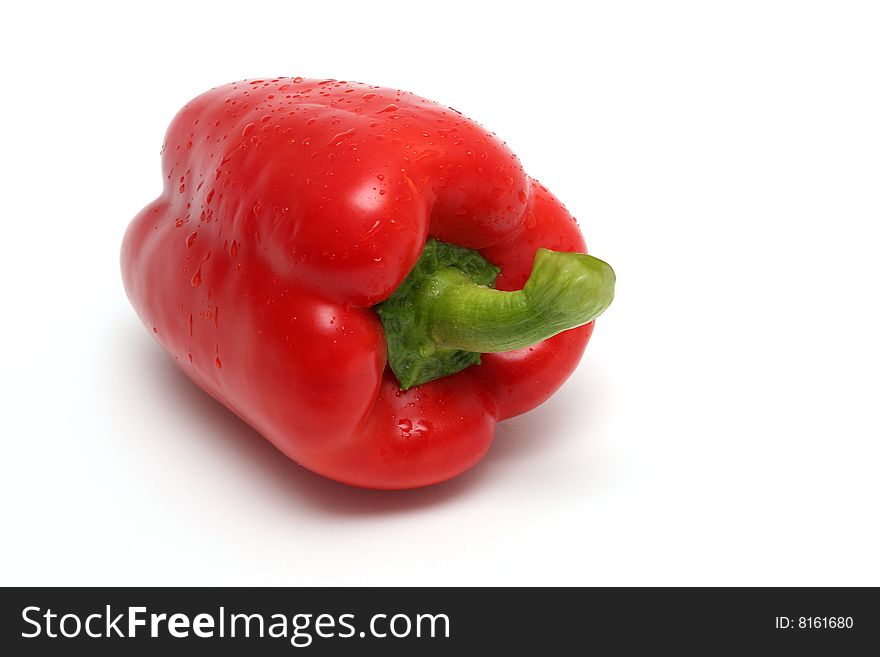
<point x="341" y="137"/>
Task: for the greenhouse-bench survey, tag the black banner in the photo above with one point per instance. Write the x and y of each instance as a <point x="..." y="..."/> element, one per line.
<point x="113" y="621"/>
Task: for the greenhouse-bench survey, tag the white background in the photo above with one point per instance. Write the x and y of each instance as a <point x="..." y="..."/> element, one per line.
<point x="723" y="427"/>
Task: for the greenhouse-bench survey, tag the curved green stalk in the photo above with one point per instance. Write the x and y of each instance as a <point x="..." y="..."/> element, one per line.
<point x="445" y="314"/>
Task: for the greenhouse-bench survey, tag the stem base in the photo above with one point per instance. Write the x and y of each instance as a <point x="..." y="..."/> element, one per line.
<point x="413" y="354"/>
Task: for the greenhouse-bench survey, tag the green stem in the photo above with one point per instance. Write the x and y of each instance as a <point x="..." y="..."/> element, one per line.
<point x="565" y="290"/>
<point x="445" y="313"/>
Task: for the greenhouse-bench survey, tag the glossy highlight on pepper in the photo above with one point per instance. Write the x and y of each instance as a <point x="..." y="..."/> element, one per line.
<point x="366" y="277"/>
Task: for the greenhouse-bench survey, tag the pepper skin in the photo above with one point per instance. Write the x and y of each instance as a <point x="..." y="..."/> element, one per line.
<point x="290" y="208"/>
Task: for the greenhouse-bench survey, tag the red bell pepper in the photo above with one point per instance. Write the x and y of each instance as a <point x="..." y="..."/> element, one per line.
<point x="322" y="262"/>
